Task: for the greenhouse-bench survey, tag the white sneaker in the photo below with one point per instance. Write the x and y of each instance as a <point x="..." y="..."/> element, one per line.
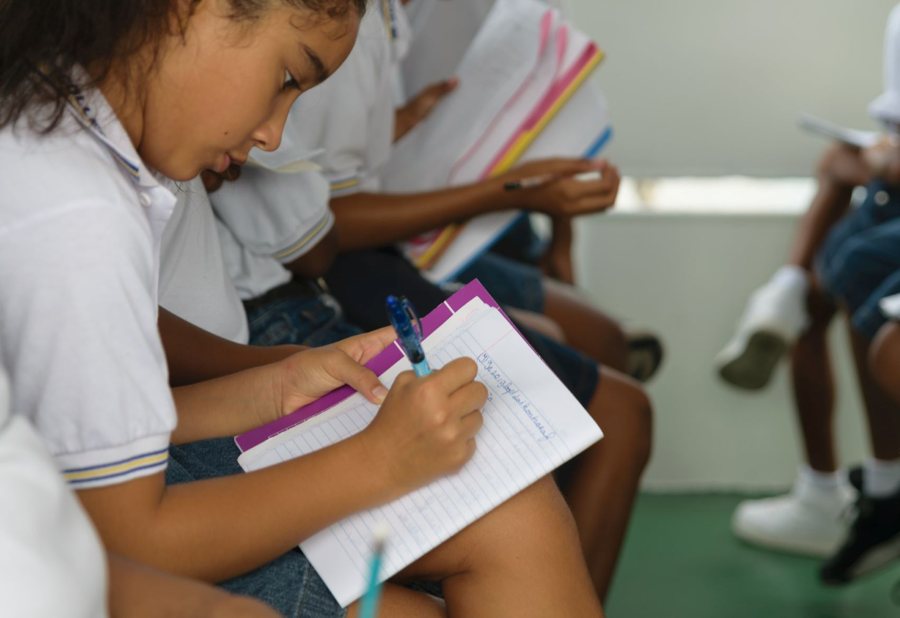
<point x="773" y="320"/>
<point x="806" y="521"/>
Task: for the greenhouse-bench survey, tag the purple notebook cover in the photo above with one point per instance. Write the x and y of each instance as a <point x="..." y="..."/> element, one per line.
<point x="381" y="363"/>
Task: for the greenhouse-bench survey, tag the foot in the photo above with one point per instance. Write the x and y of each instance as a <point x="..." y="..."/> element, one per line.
<point x="645" y="355"/>
<point x="773" y="320"/>
<point x="806" y="521"/>
<point x="872" y="543"/>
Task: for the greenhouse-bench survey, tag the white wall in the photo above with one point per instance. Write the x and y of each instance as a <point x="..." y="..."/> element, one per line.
<point x="687" y="277"/>
<point x="708" y="87"/>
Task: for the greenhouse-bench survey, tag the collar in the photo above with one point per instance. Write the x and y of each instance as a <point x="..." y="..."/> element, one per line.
<point x="94" y="114"/>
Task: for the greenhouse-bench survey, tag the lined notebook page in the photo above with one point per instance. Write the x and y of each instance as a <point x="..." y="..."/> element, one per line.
<point x="532" y="424"/>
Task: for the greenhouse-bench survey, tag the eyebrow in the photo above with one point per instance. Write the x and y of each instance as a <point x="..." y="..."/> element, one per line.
<point x="321" y="72"/>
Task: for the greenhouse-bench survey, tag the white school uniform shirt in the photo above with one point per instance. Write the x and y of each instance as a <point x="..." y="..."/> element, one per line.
<point x="268" y="219"/>
<point x="193" y="281"/>
<point x="53" y="564"/>
<point x="886" y="108"/>
<point x="80" y="225"/>
<point x="350" y="117"/>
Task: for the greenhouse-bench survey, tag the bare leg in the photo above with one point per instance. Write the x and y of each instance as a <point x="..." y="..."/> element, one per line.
<point x="884" y="360"/>
<point x="601" y="483"/>
<point x="882" y="413"/>
<point x="522" y="559"/>
<point x="830" y="203"/>
<point x="586" y="328"/>
<point x="398" y="602"/>
<point x="814" y="385"/>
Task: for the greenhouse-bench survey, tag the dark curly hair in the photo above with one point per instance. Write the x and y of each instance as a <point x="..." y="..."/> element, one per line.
<point x="41" y="41"/>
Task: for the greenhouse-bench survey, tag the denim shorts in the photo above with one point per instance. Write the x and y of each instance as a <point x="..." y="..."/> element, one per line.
<point x="362" y="279"/>
<point x="510" y="282"/>
<point x="859" y="261"/>
<point x="289" y="583"/>
<point x="299" y="313"/>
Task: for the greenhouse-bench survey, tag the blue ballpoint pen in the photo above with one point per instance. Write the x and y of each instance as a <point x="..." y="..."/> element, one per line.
<point x="409" y="331"/>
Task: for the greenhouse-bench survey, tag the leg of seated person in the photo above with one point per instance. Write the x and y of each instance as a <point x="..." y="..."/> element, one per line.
<point x="399" y="602"/>
<point x="884" y="359"/>
<point x="600" y="484"/>
<point x="882" y="412"/>
<point x="813" y="384"/>
<point x="522" y="559"/>
<point x="586" y="327"/>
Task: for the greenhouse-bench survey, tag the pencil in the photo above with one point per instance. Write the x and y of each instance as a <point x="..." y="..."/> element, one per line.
<point x="369" y="603"/>
<point x="535" y="181"/>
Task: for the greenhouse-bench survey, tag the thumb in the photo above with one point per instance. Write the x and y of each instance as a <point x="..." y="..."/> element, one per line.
<point x="359" y="377"/>
<point x="567" y="167"/>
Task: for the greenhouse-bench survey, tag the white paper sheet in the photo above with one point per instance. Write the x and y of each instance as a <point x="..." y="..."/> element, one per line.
<point x="532" y="425"/>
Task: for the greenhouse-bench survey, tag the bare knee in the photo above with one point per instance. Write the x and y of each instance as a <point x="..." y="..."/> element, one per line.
<point x="624" y="411"/>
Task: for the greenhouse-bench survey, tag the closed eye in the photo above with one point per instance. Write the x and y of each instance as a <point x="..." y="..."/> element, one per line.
<point x="290" y="83"/>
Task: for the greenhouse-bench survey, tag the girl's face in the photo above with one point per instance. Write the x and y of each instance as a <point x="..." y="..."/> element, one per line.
<point x="227" y="85"/>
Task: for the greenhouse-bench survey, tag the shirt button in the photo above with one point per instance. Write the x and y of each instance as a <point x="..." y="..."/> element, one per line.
<point x="882" y="198"/>
<point x="146" y="201"/>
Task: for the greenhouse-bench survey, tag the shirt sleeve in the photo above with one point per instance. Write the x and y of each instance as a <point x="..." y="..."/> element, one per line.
<point x="78" y="320"/>
<point x="275" y="215"/>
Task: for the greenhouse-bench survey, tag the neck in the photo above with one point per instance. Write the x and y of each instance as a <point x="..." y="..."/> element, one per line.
<point x="127" y="103"/>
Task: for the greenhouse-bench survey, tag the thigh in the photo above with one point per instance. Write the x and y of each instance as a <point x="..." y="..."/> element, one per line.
<point x="510" y="282"/>
<point x="301" y="320"/>
<point x="863" y="263"/>
<point x="361" y="280"/>
<point x="869" y="317"/>
<point x="580" y="373"/>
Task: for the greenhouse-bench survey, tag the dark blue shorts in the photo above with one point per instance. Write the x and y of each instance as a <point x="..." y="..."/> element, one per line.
<point x="859" y="263"/>
<point x="360" y="280"/>
<point x="298" y="313"/>
<point x="289" y="583"/>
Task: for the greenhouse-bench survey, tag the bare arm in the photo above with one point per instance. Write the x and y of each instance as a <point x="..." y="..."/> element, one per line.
<point x="366" y="220"/>
<point x="316" y="262"/>
<point x="194" y="355"/>
<point x="223" y="527"/>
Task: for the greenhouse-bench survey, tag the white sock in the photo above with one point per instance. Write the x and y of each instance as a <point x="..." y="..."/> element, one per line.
<point x="792" y="277"/>
<point x="881" y="478"/>
<point x="824" y="482"/>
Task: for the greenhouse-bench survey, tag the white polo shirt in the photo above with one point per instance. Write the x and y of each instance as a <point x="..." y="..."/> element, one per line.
<point x="80" y="225"/>
<point x="52" y="561"/>
<point x="193" y="282"/>
<point x="350" y="117"/>
<point x="269" y="219"/>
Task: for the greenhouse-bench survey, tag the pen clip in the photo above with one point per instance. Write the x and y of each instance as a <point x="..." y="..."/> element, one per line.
<point x="410" y="312"/>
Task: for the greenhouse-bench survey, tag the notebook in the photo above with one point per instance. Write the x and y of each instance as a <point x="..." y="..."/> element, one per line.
<point x="532" y="424"/>
<point x="517" y="78"/>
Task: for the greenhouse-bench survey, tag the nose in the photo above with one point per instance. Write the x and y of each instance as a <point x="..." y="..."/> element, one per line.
<point x="268" y="135"/>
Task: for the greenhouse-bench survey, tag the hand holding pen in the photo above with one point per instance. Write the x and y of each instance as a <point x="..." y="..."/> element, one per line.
<point x="426" y="426"/>
<point x="563" y="187"/>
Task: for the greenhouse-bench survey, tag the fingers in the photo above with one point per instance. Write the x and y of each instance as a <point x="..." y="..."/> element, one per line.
<point x="470" y="398"/>
<point x="562" y="166"/>
<point x="454" y="375"/>
<point x="347" y="371"/>
<point x="362" y="348"/>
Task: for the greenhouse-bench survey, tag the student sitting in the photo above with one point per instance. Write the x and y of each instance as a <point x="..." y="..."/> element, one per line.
<point x="844" y="259"/>
<point x="600" y="485"/>
<point x="87" y="96"/>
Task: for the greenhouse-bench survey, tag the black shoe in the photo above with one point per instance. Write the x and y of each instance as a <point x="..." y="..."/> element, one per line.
<point x="645" y="355"/>
<point x="855" y="478"/>
<point x="873" y="541"/>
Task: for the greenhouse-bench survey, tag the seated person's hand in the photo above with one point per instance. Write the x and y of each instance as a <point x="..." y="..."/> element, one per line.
<point x="883" y="159"/>
<point x="305" y="376"/>
<point x="844" y="165"/>
<point x="554" y="187"/>
<point x="420" y="106"/>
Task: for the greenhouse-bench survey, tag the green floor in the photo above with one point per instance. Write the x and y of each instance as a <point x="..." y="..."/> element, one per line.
<point x="680" y="560"/>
